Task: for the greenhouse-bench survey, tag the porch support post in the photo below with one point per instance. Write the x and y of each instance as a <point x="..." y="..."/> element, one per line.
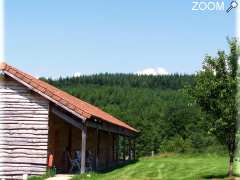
<point x="117" y="148"/>
<point x="113" y="147"/>
<point x="83" y="149"/>
<point x="129" y="149"/>
<point x="134" y="149"/>
<point x="124" y="149"/>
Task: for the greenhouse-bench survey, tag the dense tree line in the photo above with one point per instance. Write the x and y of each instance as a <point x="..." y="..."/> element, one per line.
<point x="175" y="81"/>
<point x="167" y="117"/>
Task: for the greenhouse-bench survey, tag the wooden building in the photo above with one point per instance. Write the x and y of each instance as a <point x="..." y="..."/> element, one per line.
<point x="37" y="119"/>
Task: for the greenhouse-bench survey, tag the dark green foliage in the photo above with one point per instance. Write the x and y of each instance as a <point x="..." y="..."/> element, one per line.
<point x="167" y="117"/>
<point x="175" y="81"/>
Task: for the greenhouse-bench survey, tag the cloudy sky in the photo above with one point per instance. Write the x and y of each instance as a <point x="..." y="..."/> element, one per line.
<point x="57" y="37"/>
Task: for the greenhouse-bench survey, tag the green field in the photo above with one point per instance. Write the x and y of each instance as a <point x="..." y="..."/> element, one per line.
<point x="168" y="167"/>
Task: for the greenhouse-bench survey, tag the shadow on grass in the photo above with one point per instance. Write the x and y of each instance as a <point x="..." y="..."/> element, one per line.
<point x="119" y="166"/>
<point x="220" y="176"/>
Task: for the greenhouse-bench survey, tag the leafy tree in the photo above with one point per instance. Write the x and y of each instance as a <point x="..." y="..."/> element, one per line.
<point x="215" y="91"/>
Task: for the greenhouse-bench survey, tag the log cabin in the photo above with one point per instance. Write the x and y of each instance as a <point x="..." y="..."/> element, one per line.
<point x="38" y="120"/>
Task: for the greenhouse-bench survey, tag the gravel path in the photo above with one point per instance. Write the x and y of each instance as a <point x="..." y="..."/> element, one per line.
<point x="61" y="177"/>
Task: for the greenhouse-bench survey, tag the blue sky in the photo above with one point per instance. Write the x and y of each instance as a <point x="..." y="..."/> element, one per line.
<point x="61" y="37"/>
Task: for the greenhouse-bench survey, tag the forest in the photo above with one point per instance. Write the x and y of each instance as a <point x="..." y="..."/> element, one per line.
<point x="160" y="107"/>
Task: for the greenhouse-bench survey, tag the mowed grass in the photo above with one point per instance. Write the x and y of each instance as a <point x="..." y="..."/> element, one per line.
<point x="168" y="167"/>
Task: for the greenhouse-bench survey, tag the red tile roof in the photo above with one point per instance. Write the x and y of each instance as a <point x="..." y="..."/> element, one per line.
<point x="76" y="105"/>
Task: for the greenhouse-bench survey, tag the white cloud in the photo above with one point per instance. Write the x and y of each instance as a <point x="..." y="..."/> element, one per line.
<point x="153" y="71"/>
<point x="77" y="74"/>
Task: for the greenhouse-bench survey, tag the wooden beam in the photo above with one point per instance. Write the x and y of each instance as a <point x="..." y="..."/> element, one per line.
<point x="66" y="118"/>
<point x="83" y="149"/>
<point x="101" y="126"/>
<point x="110" y="128"/>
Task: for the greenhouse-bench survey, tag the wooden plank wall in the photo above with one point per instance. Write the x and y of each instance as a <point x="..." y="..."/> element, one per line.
<point x="23" y="130"/>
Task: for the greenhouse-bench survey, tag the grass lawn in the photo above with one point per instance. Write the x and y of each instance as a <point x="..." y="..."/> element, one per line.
<point x="168" y="167"/>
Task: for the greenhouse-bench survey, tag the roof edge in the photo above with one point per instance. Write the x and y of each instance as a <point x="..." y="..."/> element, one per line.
<point x="85" y="115"/>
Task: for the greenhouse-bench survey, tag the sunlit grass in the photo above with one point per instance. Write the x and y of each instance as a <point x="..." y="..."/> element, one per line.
<point x="170" y="167"/>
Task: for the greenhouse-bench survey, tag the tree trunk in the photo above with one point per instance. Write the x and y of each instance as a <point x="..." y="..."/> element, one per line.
<point x="230" y="167"/>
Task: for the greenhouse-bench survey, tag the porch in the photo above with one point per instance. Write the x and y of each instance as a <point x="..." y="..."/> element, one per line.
<point x="93" y="144"/>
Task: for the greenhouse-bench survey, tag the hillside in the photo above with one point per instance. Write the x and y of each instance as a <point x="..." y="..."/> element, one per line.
<point x="158" y="106"/>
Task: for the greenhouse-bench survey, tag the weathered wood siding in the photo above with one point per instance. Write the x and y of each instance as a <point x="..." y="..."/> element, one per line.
<point x="23" y="130"/>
